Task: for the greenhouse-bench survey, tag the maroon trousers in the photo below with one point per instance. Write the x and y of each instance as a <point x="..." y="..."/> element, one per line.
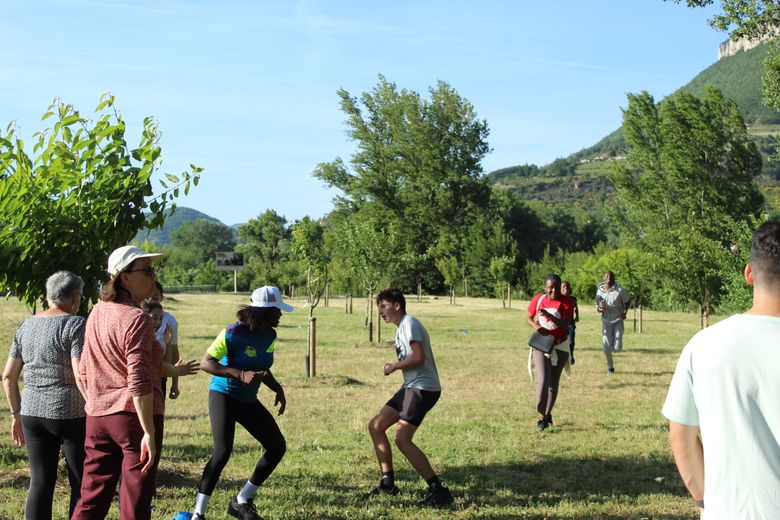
<point x="113" y="448"/>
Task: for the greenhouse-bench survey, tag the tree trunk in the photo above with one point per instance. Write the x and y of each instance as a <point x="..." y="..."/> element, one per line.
<point x="419" y="291"/>
<point x="370" y="318"/>
<point x="312" y="372"/>
<point x="509" y="294"/>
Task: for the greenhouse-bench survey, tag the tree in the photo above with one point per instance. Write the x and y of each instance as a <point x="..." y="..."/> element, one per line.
<point x="688" y="177"/>
<point x="197" y="241"/>
<point x="753" y="19"/>
<point x="82" y="194"/>
<point x="417" y="165"/>
<point x="363" y="250"/>
<point x="308" y="247"/>
<point x="266" y="239"/>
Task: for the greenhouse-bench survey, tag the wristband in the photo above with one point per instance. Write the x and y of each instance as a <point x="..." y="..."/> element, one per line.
<point x="699" y="503"/>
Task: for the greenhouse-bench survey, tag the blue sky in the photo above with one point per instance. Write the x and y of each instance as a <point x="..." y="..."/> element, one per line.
<point x="247" y="89"/>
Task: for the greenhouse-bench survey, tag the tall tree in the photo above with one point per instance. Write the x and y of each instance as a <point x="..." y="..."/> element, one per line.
<point x="82" y="194"/>
<point x="689" y="174"/>
<point x="417" y="164"/>
<point x="197" y="241"/>
<point x="266" y="240"/>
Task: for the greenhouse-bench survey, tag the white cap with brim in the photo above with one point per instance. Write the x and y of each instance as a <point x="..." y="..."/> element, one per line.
<point x="124" y="256"/>
<point x="269" y="296"/>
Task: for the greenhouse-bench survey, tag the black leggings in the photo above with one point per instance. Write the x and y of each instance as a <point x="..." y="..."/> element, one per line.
<point x="224" y="413"/>
<point x="43" y="438"/>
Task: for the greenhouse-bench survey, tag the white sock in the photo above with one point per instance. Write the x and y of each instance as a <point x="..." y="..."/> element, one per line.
<point x="247" y="493"/>
<point x="201" y="503"/>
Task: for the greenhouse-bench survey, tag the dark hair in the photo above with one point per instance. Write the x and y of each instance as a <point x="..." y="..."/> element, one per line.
<point x="554" y="277"/>
<point x="765" y="253"/>
<point x="567" y="282"/>
<point x="159" y="288"/>
<point x="257" y="318"/>
<point x="150" y="305"/>
<point x="392" y="295"/>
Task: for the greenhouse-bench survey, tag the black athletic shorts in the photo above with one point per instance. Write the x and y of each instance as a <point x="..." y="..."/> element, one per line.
<point x="412" y="404"/>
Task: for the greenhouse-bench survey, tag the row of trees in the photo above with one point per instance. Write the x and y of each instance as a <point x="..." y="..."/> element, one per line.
<point x="415" y="211"/>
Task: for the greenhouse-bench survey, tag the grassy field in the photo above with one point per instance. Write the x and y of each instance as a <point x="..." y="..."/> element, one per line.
<point x="607" y="456"/>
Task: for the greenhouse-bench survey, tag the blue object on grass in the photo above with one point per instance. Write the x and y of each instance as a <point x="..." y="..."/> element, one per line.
<point x="183" y="515"/>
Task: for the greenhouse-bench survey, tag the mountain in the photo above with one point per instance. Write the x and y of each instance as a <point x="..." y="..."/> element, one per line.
<point x="580" y="179"/>
<point x="161" y="237"/>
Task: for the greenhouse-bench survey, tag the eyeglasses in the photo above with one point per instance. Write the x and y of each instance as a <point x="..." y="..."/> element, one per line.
<point x="148" y="271"/>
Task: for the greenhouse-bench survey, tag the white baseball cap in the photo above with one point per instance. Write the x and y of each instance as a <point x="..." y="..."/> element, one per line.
<point x="269" y="296"/>
<point x="124" y="256"/>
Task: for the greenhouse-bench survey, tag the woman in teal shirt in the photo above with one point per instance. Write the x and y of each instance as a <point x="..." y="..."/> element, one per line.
<point x="239" y="359"/>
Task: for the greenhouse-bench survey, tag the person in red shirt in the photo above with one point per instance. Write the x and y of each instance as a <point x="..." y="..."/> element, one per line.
<point x="550" y="313"/>
<point x="121" y="368"/>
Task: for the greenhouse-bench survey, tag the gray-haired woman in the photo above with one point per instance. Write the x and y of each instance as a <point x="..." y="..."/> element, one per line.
<point x="49" y="413"/>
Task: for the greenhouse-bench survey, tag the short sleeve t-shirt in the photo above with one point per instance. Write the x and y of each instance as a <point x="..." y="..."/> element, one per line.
<point x="563" y="307"/>
<point x="168" y="320"/>
<point x="423" y="376"/>
<point x="46" y="345"/>
<point x="726" y="383"/>
<point x="240" y="348"/>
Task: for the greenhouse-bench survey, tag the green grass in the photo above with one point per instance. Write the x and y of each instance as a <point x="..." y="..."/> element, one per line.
<point x="607" y="456"/>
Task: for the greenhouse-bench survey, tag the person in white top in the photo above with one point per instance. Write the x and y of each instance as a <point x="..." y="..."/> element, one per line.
<point x="419" y="393"/>
<point x="612" y="302"/>
<point x="168" y="336"/>
<point x="722" y="405"/>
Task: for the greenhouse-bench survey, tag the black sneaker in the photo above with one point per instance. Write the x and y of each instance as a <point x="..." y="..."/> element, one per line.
<point x="548" y="420"/>
<point x="383" y="491"/>
<point x="611" y="370"/>
<point x="244" y="511"/>
<point x="439" y="498"/>
<point x="198" y="516"/>
<point x="541" y="425"/>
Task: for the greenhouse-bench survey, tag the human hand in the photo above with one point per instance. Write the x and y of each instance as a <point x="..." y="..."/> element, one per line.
<point x="186" y="368"/>
<point x="281" y="401"/>
<point x="148" y="452"/>
<point x="389" y="368"/>
<point x="623" y="316"/>
<point x="250" y="377"/>
<point x="174" y="393"/>
<point x="17" y="434"/>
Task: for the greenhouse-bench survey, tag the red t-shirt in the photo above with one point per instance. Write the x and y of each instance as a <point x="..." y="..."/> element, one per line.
<point x="563" y="307"/>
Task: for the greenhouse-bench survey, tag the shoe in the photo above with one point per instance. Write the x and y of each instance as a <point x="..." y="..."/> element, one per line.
<point x="381" y="491"/>
<point x="198" y="516"/>
<point x="439" y="498"/>
<point x="541" y="424"/>
<point x="611" y="370"/>
<point x="244" y="511"/>
<point x="549" y="420"/>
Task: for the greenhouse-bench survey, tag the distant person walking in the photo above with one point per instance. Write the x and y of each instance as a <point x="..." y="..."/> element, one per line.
<point x="612" y="302"/>
<point x="566" y="290"/>
<point x="408" y="407"/>
<point x="239" y="359"/>
<point x="50" y="411"/>
<point x="121" y="368"/>
<point x="550" y="313"/>
<point x="722" y="405"/>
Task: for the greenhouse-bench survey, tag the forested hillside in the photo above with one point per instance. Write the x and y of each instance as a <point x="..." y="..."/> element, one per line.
<point x="580" y="178"/>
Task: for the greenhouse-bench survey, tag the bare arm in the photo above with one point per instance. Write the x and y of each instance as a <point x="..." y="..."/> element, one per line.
<point x="271" y="382"/>
<point x="211" y="365"/>
<point x="689" y="456"/>
<point x="180" y="369"/>
<point x="533" y="323"/>
<point x="417" y="357"/>
<point x="74" y="363"/>
<point x="13" y="368"/>
<point x="174" y="392"/>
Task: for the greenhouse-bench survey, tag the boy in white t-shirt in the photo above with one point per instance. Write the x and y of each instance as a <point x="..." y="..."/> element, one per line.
<point x="420" y="392"/>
